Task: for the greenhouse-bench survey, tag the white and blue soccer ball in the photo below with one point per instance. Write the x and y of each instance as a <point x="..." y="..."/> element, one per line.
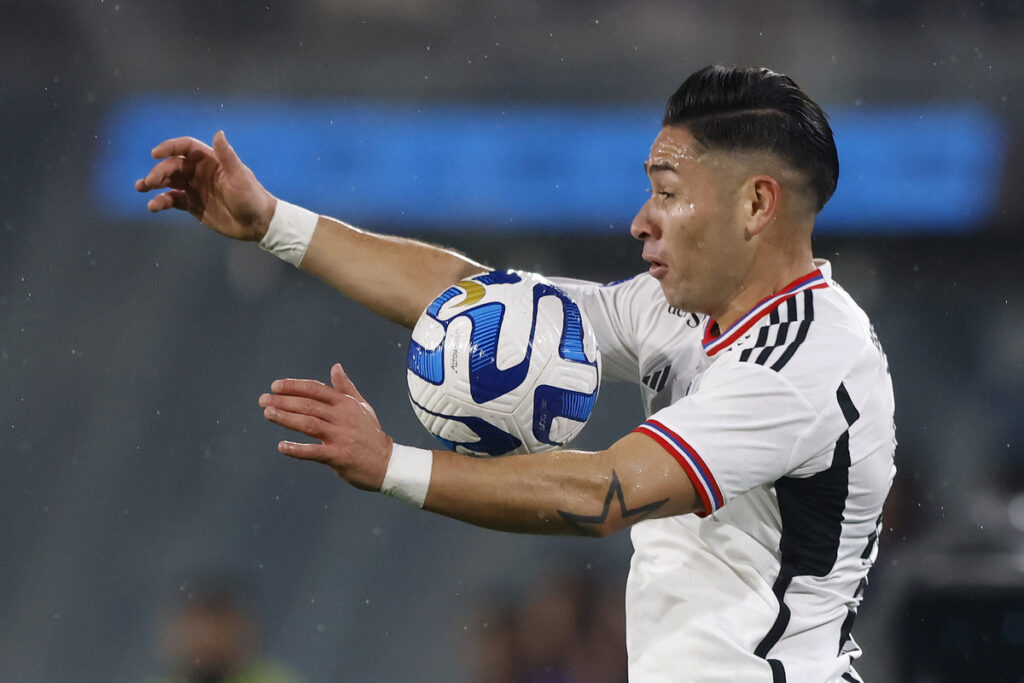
<point x="503" y="363"/>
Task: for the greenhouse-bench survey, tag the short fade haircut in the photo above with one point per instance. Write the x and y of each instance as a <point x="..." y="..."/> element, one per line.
<point x="757" y="109"/>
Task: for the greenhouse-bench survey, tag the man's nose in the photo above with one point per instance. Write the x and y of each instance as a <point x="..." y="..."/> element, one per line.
<point x="642" y="226"/>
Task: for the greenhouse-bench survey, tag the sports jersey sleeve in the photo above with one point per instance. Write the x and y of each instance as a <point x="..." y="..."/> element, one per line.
<point x="610" y="309"/>
<point x="742" y="427"/>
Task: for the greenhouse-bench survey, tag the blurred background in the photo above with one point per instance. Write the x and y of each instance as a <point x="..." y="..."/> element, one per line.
<point x="136" y="464"/>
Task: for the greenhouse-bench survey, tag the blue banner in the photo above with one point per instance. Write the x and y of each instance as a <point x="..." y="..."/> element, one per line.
<point x="538" y="168"/>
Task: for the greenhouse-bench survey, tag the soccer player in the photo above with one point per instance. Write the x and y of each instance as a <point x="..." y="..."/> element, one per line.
<point x="755" y="487"/>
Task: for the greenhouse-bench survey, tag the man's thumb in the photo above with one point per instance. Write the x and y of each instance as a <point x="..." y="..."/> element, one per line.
<point x="225" y="152"/>
<point x="341" y="382"/>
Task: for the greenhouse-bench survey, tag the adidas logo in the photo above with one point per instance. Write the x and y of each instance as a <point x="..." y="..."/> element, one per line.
<point x="657" y="380"/>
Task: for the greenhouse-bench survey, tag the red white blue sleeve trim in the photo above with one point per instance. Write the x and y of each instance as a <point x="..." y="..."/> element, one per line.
<point x="686" y="455"/>
<point x="713" y="344"/>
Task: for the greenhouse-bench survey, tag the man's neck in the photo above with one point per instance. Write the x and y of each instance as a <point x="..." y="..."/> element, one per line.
<point x="761" y="286"/>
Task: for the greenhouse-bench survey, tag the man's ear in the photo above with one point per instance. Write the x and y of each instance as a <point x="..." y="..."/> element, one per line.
<point x="762" y="195"/>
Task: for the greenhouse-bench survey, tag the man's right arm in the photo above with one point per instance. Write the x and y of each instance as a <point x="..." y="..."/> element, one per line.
<point x="392" y="276"/>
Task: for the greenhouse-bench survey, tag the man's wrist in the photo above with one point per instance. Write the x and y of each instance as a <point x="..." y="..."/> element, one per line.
<point x="408" y="474"/>
<point x="289" y="232"/>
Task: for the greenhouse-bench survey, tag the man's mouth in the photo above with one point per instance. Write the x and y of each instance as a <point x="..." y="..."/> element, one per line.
<point x="658" y="267"/>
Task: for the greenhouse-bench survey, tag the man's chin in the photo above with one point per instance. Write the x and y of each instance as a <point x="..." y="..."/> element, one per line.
<point x="673" y="298"/>
<point x="680" y="300"/>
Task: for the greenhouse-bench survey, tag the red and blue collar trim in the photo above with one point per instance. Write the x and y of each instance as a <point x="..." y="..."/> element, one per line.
<point x="712" y="344"/>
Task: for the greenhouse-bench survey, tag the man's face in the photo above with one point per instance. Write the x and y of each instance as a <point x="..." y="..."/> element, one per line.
<point x="691" y="226"/>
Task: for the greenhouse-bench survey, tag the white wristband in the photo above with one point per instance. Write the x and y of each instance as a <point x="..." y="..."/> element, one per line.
<point x="290" y="230"/>
<point x="408" y="474"/>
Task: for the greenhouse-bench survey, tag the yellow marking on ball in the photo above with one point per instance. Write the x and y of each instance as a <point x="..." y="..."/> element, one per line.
<point x="474" y="292"/>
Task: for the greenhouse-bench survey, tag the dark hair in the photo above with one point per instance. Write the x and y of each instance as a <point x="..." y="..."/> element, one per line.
<point x="758" y="109"/>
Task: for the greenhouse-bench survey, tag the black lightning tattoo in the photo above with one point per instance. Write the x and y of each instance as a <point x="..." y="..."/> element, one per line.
<point x="586" y="523"/>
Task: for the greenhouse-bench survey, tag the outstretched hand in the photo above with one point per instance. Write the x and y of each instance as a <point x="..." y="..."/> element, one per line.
<point x="352" y="441"/>
<point x="212" y="184"/>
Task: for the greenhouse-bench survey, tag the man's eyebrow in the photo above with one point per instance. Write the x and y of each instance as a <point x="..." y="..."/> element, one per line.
<point x="650" y="168"/>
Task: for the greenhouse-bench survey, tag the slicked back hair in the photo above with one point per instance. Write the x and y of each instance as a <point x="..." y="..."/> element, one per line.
<point x="756" y="109"/>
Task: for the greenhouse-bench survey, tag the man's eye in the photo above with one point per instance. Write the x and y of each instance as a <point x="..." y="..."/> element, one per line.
<point x="666" y="195"/>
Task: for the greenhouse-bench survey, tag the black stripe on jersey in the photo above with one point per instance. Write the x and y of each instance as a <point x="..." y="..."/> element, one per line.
<point x="801" y="333"/>
<point x="872" y="539"/>
<point x="812" y="514"/>
<point x="776" y="322"/>
<point x="780" y="340"/>
<point x="850" y="411"/>
<point x="846" y="643"/>
<point x="782" y="619"/>
<point x="811" y="509"/>
<point x="762" y="337"/>
<point x="847" y="627"/>
<point x="762" y="357"/>
<point x="851" y="415"/>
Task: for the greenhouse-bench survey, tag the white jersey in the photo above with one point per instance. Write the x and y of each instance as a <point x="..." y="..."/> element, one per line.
<point x="784" y="424"/>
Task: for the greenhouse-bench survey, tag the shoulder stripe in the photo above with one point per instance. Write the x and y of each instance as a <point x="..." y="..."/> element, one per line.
<point x="686" y="455"/>
<point x="783" y="340"/>
<point x="713" y="345"/>
<point x="762" y="357"/>
<point x="801" y="332"/>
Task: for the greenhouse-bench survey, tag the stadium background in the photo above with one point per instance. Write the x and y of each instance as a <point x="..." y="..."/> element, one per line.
<point x="132" y="347"/>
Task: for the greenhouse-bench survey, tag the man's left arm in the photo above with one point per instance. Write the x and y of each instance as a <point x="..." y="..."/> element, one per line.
<point x="562" y="492"/>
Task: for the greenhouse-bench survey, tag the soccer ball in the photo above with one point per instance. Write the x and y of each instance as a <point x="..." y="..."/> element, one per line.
<point x="503" y="363"/>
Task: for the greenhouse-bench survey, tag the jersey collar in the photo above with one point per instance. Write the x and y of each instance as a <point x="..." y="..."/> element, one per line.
<point x="816" y="279"/>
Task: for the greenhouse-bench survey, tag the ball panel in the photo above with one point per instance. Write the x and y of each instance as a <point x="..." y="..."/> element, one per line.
<point x="467" y="434"/>
<point x="564" y="430"/>
<point x="555" y="402"/>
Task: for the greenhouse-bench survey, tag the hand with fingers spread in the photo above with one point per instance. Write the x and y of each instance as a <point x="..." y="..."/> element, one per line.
<point x="352" y="441"/>
<point x="212" y="184"/>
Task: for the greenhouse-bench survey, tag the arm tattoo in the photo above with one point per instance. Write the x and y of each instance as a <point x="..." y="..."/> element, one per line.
<point x="586" y="524"/>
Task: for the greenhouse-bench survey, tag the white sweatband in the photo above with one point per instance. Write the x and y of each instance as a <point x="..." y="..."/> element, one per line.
<point x="408" y="474"/>
<point x="290" y="230"/>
